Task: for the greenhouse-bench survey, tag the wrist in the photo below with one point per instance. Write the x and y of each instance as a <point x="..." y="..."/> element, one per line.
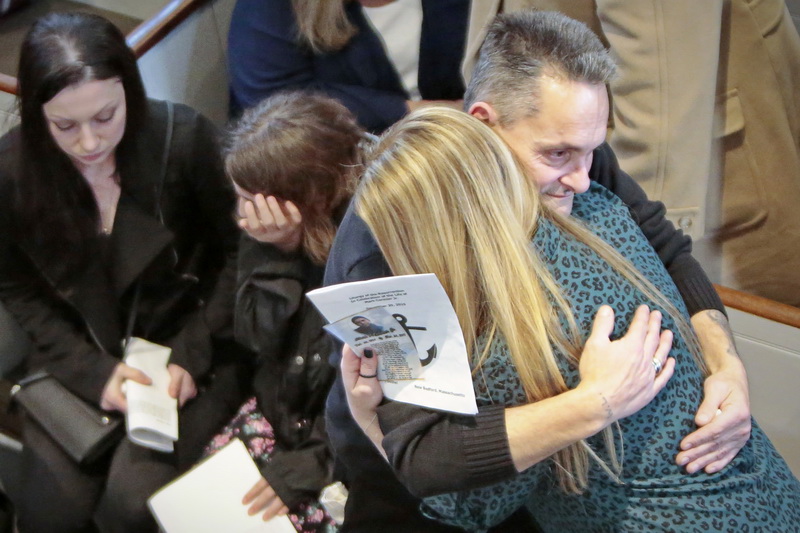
<point x="728" y="365"/>
<point x="291" y="247"/>
<point x="721" y="358"/>
<point x="599" y="409"/>
<point x="365" y="419"/>
<point x="274" y="250"/>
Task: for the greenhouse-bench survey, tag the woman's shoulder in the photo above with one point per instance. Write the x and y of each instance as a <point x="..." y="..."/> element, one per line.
<point x="192" y="133"/>
<point x="183" y="115"/>
<point x="598" y="203"/>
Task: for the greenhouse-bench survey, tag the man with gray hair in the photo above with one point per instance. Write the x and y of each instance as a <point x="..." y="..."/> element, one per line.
<point x="520" y="52"/>
<point x="705" y="120"/>
<point x="540" y="84"/>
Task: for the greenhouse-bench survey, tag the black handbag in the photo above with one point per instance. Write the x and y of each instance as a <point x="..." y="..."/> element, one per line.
<point x="83" y="431"/>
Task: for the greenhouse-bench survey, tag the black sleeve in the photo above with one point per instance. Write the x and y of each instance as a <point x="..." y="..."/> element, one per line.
<point x="469" y="451"/>
<point x="202" y="180"/>
<point x="271" y="320"/>
<point x="673" y="247"/>
<point x="298" y="475"/>
<point x="270" y="288"/>
<point x="61" y="344"/>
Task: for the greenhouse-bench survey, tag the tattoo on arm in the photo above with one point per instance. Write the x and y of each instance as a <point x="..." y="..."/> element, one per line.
<point x="607" y="407"/>
<point x="722" y="321"/>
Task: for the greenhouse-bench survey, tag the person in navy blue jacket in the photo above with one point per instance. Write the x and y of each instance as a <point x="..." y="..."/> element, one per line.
<point x="272" y="47"/>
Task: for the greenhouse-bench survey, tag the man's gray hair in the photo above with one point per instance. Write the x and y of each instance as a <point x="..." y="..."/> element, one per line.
<point x="523" y="47"/>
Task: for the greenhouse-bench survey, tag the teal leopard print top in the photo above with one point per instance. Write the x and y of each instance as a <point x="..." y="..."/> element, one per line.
<point x="756" y="492"/>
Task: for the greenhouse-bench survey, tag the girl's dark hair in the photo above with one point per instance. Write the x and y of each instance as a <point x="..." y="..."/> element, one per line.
<point x="54" y="205"/>
<point x="302" y="147"/>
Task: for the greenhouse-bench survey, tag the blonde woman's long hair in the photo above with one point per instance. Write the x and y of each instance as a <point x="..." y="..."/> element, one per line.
<point x="443" y="193"/>
<point x="323" y="24"/>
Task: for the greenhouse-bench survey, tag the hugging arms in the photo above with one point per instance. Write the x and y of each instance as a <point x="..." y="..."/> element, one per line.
<point x="579" y="410"/>
<point x="439" y="436"/>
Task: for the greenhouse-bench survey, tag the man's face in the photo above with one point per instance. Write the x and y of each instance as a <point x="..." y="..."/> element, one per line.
<point x="556" y="144"/>
<point x="361" y="321"/>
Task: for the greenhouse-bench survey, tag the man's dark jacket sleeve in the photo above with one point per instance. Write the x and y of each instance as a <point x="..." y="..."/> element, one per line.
<point x="673" y="247"/>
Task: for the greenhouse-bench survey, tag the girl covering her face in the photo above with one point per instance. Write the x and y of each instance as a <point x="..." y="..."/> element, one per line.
<point x="293" y="159"/>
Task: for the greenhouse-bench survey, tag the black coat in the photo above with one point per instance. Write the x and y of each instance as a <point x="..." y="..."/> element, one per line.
<point x="185" y="264"/>
<point x="275" y="319"/>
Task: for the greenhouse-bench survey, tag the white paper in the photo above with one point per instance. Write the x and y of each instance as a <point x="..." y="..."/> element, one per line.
<point x="152" y="417"/>
<point x="377" y="328"/>
<point x="208" y="498"/>
<point x="406" y="314"/>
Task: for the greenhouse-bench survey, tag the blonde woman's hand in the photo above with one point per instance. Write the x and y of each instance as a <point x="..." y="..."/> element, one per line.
<point x="622" y="372"/>
<point x="268" y="220"/>
<point x="360" y="378"/>
<point x="262" y="498"/>
<point x="113" y="396"/>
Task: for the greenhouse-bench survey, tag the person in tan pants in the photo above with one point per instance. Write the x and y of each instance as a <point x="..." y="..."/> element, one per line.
<point x="706" y="119"/>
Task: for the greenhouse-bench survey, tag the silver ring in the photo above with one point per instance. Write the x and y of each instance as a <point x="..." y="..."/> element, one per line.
<point x="368" y="376"/>
<point x="657" y="366"/>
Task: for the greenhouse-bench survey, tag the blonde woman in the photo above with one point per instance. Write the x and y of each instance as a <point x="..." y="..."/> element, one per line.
<point x="526" y="282"/>
<point x="380" y="58"/>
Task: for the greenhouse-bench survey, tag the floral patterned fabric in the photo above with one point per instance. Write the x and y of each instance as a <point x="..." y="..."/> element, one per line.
<point x="250" y="426"/>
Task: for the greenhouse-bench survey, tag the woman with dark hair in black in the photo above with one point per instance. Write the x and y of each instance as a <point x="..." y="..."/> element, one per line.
<point x="115" y="219"/>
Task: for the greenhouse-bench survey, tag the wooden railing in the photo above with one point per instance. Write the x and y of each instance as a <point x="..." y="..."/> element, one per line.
<point x="152" y="30"/>
<point x="8" y="83"/>
<point x="763" y="307"/>
<point x="143" y="37"/>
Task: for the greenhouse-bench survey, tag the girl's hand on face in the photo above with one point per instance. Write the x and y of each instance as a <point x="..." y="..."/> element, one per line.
<point x="266" y="220"/>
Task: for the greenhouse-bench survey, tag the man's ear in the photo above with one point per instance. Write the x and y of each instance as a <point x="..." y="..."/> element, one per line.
<point x="483" y="112"/>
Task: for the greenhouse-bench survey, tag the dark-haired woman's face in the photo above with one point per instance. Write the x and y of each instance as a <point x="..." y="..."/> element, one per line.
<point x="87" y="121"/>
